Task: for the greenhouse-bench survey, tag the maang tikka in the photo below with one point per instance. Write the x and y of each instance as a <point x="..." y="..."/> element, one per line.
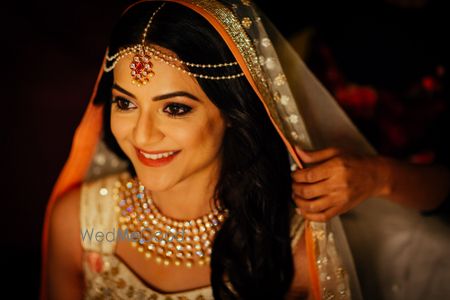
<point x="141" y="67"/>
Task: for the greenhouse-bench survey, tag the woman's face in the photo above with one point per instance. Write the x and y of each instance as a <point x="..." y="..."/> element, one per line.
<point x="170" y="116"/>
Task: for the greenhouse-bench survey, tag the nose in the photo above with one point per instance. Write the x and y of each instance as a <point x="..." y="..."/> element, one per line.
<point x="146" y="131"/>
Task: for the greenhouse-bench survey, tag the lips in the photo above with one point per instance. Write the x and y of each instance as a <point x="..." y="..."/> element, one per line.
<point x="156" y="158"/>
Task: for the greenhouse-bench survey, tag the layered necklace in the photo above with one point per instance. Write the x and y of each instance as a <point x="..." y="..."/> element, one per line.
<point x="168" y="241"/>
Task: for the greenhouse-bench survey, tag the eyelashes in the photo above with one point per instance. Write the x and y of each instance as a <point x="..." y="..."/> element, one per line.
<point x="172" y="109"/>
<point x="121" y="104"/>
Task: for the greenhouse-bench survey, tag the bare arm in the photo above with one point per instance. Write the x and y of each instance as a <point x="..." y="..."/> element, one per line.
<point x="337" y="181"/>
<point x="423" y="187"/>
<point x="300" y="288"/>
<point x="64" y="276"/>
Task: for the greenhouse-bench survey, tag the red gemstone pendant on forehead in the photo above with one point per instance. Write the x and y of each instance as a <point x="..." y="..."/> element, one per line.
<point x="141" y="68"/>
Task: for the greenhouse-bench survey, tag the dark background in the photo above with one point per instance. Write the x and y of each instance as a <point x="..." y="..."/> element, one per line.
<point x="52" y="51"/>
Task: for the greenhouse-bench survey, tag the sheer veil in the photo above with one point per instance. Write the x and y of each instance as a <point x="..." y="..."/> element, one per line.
<point x="397" y="251"/>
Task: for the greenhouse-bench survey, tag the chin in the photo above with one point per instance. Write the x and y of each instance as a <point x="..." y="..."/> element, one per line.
<point x="153" y="182"/>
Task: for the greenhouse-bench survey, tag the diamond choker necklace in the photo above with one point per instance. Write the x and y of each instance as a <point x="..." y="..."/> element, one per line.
<point x="168" y="241"/>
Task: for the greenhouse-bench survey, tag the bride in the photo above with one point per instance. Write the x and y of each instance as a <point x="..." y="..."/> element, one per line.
<point x="204" y="161"/>
<point x="178" y="185"/>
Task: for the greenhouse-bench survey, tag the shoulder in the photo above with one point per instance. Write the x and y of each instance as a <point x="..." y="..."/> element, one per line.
<point x="65" y="211"/>
<point x="99" y="211"/>
<point x="103" y="185"/>
<point x="68" y="209"/>
<point x="64" y="248"/>
<point x="94" y="191"/>
<point x="67" y="206"/>
<point x="64" y="214"/>
<point x="93" y="194"/>
<point x="64" y="254"/>
<point x="300" y="283"/>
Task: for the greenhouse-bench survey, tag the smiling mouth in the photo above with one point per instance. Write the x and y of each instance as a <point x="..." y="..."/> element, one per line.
<point x="158" y="155"/>
<point x="156" y="158"/>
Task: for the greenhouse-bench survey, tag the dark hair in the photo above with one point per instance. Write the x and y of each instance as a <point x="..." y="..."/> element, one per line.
<point x="252" y="249"/>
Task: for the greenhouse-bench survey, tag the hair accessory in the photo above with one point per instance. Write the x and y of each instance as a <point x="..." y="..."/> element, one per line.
<point x="141" y="65"/>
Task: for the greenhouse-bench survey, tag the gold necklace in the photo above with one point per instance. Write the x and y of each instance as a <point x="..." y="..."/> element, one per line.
<point x="169" y="241"/>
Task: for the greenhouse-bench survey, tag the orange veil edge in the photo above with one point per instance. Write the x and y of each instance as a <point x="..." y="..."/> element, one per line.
<point x="87" y="136"/>
<point x="83" y="148"/>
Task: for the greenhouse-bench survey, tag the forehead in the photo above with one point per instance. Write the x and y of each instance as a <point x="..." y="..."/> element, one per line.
<point x="166" y="78"/>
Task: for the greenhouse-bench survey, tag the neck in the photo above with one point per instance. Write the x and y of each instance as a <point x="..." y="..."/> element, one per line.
<point x="190" y="198"/>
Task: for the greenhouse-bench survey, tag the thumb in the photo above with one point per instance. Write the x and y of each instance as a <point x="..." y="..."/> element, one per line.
<point x="317" y="156"/>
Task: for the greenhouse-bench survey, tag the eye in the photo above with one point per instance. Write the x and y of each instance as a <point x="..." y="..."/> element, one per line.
<point x="176" y="109"/>
<point x="122" y="103"/>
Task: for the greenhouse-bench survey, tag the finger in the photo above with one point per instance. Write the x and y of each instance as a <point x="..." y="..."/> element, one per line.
<point x="314" y="206"/>
<point x="317" y="156"/>
<point x="324" y="215"/>
<point x="311" y="190"/>
<point x="314" y="173"/>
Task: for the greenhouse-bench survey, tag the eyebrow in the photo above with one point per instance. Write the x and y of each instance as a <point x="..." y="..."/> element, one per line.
<point x="160" y="97"/>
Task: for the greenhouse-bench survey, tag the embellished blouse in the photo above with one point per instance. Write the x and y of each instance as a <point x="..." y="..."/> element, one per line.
<point x="105" y="275"/>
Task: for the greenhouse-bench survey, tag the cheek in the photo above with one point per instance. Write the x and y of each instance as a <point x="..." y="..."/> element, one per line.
<point x="120" y="126"/>
<point x="116" y="129"/>
<point x="214" y="132"/>
<point x="205" y="136"/>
